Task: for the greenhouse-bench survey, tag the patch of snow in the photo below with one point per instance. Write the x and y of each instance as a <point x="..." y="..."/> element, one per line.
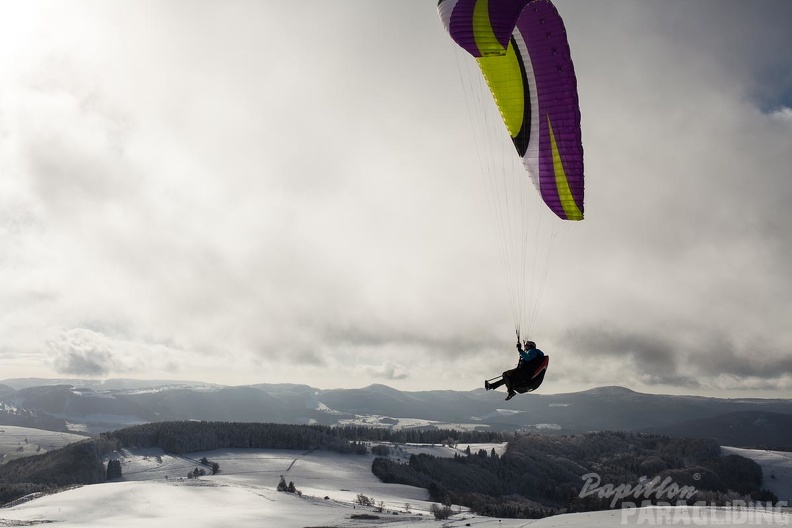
<point x="508" y="412"/>
<point x="776" y="468"/>
<point x="89" y="393"/>
<point x="387" y="422"/>
<point x="115" y="419"/>
<point x="99" y="423"/>
<point x="402" y="452"/>
<point x="18" y="442"/>
<point x="9" y="408"/>
<point x="164" y="388"/>
<point x="77" y="427"/>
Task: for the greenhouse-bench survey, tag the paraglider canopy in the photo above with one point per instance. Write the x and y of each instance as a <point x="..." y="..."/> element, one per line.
<point x="521" y="47"/>
<point x="522" y="61"/>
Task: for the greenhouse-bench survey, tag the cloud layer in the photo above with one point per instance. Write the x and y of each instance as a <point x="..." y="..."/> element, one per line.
<point x="240" y="193"/>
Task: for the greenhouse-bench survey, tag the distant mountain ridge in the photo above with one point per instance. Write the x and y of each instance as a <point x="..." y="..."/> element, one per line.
<point x="108" y="384"/>
<point x="757" y="429"/>
<point x="96" y="406"/>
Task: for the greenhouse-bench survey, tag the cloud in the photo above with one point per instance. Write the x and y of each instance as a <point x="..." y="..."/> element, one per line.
<point x="84" y="352"/>
<point x="388" y="371"/>
<point x="783" y="114"/>
<point x="757" y="358"/>
<point x="182" y="194"/>
<point x="686" y="357"/>
<point x="650" y="355"/>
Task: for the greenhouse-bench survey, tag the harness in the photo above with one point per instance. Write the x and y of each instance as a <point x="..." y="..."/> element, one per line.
<point x="529" y="374"/>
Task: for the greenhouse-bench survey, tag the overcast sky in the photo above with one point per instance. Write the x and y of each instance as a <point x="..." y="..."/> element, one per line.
<point x="275" y="191"/>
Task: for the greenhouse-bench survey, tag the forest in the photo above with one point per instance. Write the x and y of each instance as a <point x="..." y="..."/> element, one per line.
<point x="78" y="463"/>
<point x="190" y="437"/>
<point x="82" y="462"/>
<point x="538" y="475"/>
<point x="541" y="475"/>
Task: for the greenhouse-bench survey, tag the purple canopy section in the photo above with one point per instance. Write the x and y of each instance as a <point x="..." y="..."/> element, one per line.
<point x="503" y="16"/>
<point x="556" y="93"/>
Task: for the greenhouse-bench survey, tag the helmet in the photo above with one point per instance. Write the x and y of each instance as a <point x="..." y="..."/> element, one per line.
<point x="530" y="344"/>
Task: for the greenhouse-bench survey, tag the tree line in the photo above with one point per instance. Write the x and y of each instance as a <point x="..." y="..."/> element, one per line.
<point x="538" y="475"/>
<point x="78" y="463"/>
<point x="82" y="462"/>
<point x="189" y="437"/>
<point x="542" y="475"/>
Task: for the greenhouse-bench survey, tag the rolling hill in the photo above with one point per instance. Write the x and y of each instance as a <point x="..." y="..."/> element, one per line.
<point x="95" y="407"/>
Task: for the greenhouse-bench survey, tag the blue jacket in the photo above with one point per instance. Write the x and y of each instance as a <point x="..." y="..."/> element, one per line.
<point x="531" y="353"/>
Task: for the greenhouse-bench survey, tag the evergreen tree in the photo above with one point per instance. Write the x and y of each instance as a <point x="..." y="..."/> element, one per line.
<point x="113" y="469"/>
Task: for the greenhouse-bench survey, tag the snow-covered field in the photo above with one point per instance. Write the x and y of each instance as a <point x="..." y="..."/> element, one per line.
<point x="155" y="492"/>
<point x="402" y="452"/>
<point x="211" y="504"/>
<point x="18" y="442"/>
<point x="376" y="420"/>
<point x="776" y="468"/>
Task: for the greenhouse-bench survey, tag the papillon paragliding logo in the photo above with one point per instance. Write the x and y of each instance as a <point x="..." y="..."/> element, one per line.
<point x="656" y="488"/>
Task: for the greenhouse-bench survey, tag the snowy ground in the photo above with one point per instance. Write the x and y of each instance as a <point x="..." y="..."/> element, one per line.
<point x="18" y="442"/>
<point x="375" y="420"/>
<point x="209" y="504"/>
<point x="776" y="468"/>
<point x="156" y="493"/>
<point x="402" y="452"/>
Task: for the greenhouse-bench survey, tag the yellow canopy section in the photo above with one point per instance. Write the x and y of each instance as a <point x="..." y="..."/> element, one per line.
<point x="505" y="79"/>
<point x="486" y="40"/>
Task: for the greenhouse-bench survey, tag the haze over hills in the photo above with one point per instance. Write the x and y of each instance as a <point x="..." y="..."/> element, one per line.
<point x="95" y="406"/>
<point x="96" y="384"/>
